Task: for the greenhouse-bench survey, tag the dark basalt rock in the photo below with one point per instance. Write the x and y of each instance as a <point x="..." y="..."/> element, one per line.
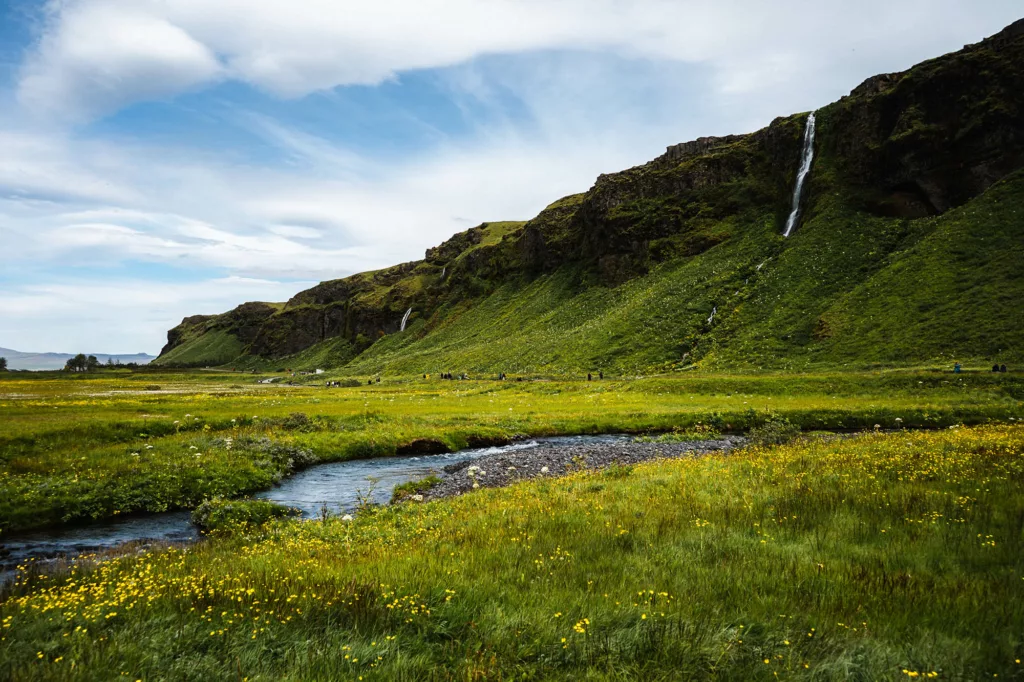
<point x="929" y="139"/>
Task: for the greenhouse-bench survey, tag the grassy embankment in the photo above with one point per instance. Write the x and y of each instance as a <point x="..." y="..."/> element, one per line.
<point x="95" y="447"/>
<point x="880" y="557"/>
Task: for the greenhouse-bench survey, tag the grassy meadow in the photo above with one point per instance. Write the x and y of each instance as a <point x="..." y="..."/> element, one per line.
<point x="96" y="446"/>
<point x="880" y="556"/>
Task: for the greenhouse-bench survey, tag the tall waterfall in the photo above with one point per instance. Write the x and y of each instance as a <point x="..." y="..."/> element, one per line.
<point x="805" y="169"/>
<point x="405" y="318"/>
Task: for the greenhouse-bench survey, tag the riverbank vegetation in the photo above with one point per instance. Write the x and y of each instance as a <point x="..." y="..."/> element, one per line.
<point x="103" y="445"/>
<point x="145" y="442"/>
<point x="883" y="556"/>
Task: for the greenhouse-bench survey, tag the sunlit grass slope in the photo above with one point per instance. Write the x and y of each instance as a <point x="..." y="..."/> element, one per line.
<point x="847" y="290"/>
<point x="878" y="557"/>
<point x="213" y="348"/>
<point x="97" y="447"/>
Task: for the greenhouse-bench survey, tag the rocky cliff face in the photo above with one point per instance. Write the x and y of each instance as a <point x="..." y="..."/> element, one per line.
<point x="908" y="145"/>
<point x="921" y="142"/>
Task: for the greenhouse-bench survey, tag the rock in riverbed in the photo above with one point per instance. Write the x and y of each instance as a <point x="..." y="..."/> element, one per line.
<point x="549" y="459"/>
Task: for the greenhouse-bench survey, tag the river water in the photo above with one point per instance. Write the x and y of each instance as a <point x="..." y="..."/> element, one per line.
<point x="337" y="486"/>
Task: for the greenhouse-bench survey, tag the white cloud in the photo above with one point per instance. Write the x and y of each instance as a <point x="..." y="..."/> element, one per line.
<point x="96" y="55"/>
<point x="77" y="316"/>
<point x="304" y="222"/>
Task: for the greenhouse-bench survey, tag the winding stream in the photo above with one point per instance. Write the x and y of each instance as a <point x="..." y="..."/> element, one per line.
<point x="336" y="486"/>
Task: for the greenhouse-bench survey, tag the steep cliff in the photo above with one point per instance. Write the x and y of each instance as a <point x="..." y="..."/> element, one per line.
<point x="681" y="260"/>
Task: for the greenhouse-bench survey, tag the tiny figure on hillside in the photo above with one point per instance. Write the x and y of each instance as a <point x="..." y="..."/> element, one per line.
<point x="995" y="368"/>
<point x="956" y="368"/>
<point x="590" y="377"/>
<point x="378" y="380"/>
<point x="369" y="382"/>
<point x="600" y="374"/>
<point x="1002" y="368"/>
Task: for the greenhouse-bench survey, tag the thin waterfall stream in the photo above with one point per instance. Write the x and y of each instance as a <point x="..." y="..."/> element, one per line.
<point x="405" y="318"/>
<point x="805" y="169"/>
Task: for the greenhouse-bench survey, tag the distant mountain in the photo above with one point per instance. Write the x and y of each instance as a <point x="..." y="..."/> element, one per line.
<point x="43" y="361"/>
<point x="909" y="249"/>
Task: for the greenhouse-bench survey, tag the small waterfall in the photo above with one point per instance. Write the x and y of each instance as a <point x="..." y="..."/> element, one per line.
<point x="805" y="169"/>
<point x="714" y="311"/>
<point x="444" y="270"/>
<point x="405" y="318"/>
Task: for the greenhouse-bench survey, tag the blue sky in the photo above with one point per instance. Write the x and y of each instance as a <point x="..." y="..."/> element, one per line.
<point x="162" y="158"/>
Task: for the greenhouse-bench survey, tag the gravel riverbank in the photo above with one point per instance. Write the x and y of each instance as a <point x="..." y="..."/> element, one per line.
<point x="549" y="459"/>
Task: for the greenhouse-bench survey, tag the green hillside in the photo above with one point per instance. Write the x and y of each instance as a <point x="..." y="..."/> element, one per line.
<point x="909" y="252"/>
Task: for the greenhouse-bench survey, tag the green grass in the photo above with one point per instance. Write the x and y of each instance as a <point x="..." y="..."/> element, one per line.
<point x="99" y="446"/>
<point x="214" y="348"/>
<point x="868" y="558"/>
<point x="971" y="260"/>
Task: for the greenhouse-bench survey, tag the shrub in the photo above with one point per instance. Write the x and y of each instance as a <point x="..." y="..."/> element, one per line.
<point x="223" y="515"/>
<point x="618" y="470"/>
<point x="297" y="421"/>
<point x="407" y="490"/>
<point x="775" y="430"/>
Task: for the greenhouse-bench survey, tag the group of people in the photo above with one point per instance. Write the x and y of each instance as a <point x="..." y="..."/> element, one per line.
<point x="995" y="368"/>
<point x="451" y="377"/>
<point x="590" y="375"/>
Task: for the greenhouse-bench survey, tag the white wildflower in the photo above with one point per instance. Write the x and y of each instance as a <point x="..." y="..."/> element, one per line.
<point x="347" y="517"/>
<point x="544" y="470"/>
